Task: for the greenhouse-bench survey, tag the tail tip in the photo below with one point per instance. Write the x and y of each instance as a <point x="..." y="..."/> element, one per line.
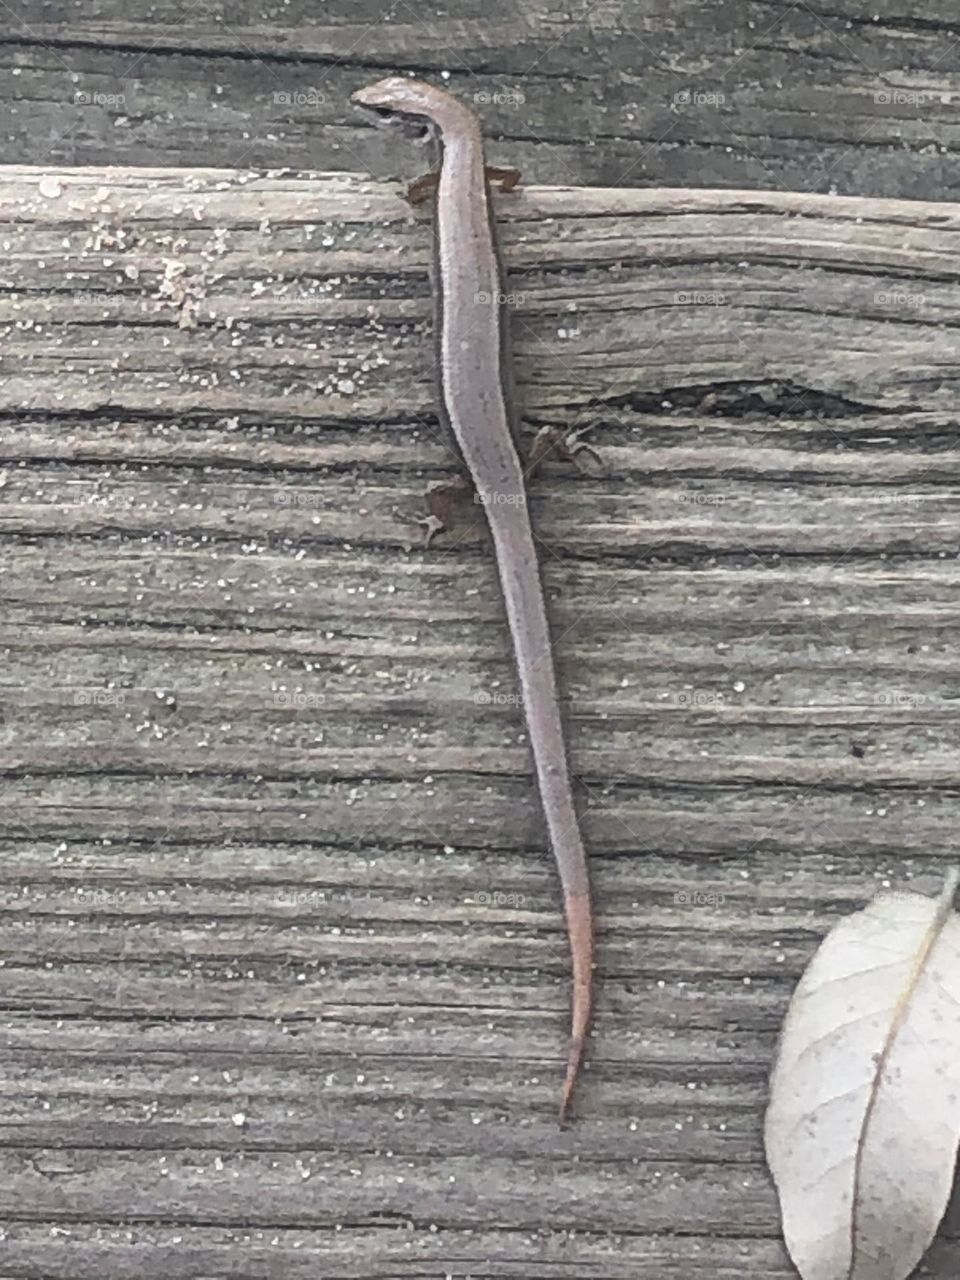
<point x="570" y="1081"/>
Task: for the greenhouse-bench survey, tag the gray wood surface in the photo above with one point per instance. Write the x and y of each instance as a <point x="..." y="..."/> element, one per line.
<point x="846" y="96"/>
<point x="284" y="979"/>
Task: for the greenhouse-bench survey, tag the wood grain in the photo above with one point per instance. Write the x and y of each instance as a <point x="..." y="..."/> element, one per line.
<point x="284" y="979"/>
<point x="704" y="93"/>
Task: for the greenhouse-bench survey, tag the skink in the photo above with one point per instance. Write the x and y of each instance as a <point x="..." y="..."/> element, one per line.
<point x="476" y="402"/>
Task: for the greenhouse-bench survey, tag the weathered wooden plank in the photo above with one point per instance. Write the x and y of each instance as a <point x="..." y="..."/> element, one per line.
<point x="284" y="982"/>
<point x="361" y="1250"/>
<point x="755" y="93"/>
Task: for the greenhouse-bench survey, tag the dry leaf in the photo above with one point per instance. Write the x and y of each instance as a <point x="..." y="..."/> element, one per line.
<point x="864" y="1115"/>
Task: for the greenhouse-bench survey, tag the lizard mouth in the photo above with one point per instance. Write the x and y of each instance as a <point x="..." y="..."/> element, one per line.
<point x="413" y="127"/>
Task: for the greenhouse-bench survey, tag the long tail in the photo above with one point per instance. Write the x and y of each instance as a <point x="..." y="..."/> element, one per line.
<point x="526" y="614"/>
<point x="580" y="930"/>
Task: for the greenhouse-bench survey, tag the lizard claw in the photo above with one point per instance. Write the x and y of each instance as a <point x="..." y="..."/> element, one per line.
<point x="431" y="525"/>
<point x="571" y="448"/>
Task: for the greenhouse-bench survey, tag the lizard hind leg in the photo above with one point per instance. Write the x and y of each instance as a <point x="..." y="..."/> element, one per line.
<point x="567" y="446"/>
<point x="440" y="498"/>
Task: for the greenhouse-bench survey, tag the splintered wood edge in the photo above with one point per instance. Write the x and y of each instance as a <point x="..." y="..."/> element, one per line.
<point x="47" y="194"/>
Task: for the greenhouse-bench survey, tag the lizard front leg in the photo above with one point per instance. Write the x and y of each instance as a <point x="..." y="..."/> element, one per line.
<point x="440" y="498"/>
<point x="422" y="188"/>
